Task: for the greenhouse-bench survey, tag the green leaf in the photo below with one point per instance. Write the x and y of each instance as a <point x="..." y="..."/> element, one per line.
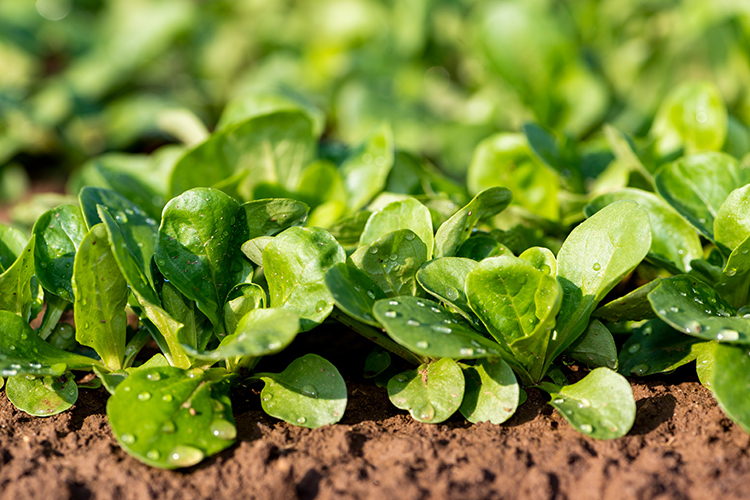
<point x="199" y="240"/>
<point x="12" y="243"/>
<point x="600" y="405"/>
<point x="405" y="214"/>
<point x="674" y="243"/>
<point x="376" y="363"/>
<point x="595" y="256"/>
<point x="23" y="352"/>
<point x="481" y="247"/>
<point x="656" y="347"/>
<point x="427" y="328"/>
<point x="272" y="148"/>
<point x="693" y="116"/>
<point x="170" y="418"/>
<point x="42" y="396"/>
<point x="697" y="185"/>
<point x="706" y="362"/>
<point x="321" y="183"/>
<point x="393" y="261"/>
<point x="518" y="304"/>
<point x="731" y="381"/>
<point x="431" y="393"/>
<point x="295" y="263"/>
<point x="59" y="233"/>
<point x="695" y="308"/>
<point x="309" y="393"/>
<point x="633" y="306"/>
<point x="258" y="103"/>
<point x="492" y="393"/>
<point x="445" y="278"/>
<point x="353" y="291"/>
<point x="453" y="232"/>
<point x="16" y="283"/>
<point x="259" y="332"/>
<point x="269" y="217"/>
<point x="595" y="347"/>
<point x="120" y="208"/>
<point x="366" y="172"/>
<point x="241" y="300"/>
<point x="732" y="222"/>
<point x="101" y="294"/>
<point x="541" y="258"/>
<point x="734" y="282"/>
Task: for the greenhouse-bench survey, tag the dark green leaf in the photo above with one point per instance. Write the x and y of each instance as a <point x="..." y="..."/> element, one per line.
<point x="445" y="278"/>
<point x="595" y="347"/>
<point x="481" y="247"/>
<point x="353" y="291"/>
<point x="271" y="216"/>
<point x="656" y="347"/>
<point x="59" y="233"/>
<point x="633" y="306"/>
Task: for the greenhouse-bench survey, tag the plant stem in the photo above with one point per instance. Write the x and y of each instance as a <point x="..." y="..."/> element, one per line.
<point x="55" y="309"/>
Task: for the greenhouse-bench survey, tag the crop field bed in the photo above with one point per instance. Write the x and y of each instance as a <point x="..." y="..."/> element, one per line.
<point x="681" y="447"/>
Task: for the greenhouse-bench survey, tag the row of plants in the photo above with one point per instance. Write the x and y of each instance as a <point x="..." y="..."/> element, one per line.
<point x="553" y="252"/>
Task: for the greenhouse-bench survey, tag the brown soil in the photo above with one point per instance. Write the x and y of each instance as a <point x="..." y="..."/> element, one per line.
<point x="681" y="446"/>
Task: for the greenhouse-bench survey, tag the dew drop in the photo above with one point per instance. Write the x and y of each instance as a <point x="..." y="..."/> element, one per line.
<point x="420" y="303"/>
<point x="596" y="266"/>
<point x="640" y="369"/>
<point x="153" y="454"/>
<point x="409" y="236"/>
<point x="223" y="429"/>
<point x="391" y="314"/>
<point x="128" y="438"/>
<point x="321" y="305"/>
<point x="154" y="376"/>
<point x="728" y="335"/>
<point x="423" y="344"/>
<point x="427" y="412"/>
<point x="634" y="348"/>
<point x="451" y="293"/>
<point x="218" y="406"/>
<point x="442" y="329"/>
<point x="586" y="428"/>
<point x="166" y="398"/>
<point x="301" y="420"/>
<point x="612" y="363"/>
<point x="168" y="427"/>
<point x="371" y="294"/>
<point x="393" y="257"/>
<point x="184" y="456"/>
<point x="731" y="272"/>
<point x="413" y="322"/>
<point x="393" y="302"/>
<point x="466" y="351"/>
<point x="674" y="309"/>
<point x="558" y="401"/>
<point x="267" y="397"/>
<point x="161" y="262"/>
<point x="144" y="396"/>
<point x="310" y="391"/>
<point x="584" y="403"/>
<point x="373" y="250"/>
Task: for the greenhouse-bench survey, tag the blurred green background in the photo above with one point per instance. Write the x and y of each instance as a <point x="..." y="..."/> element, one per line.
<point x="82" y="77"/>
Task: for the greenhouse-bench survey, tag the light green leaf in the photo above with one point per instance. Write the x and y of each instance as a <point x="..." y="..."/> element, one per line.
<point x="366" y="172"/>
<point x="295" y="263"/>
<point x="541" y="258"/>
<point x="42" y="396"/>
<point x="309" y="393"/>
<point x="59" y="233"/>
<point x="458" y="228"/>
<point x="405" y="214"/>
<point x="601" y="405"/>
<point x="732" y="222"/>
<point x="674" y="243"/>
<point x="392" y="262"/>
<point x="432" y="393"/>
<point x="697" y="185"/>
<point x="171" y="418"/>
<point x="259" y="332"/>
<point x="730" y="382"/>
<point x="595" y="256"/>
<point x="633" y="306"/>
<point x="241" y="300"/>
<point x="693" y="116"/>
<point x="271" y="216"/>
<point x="445" y="278"/>
<point x="16" y="292"/>
<point x="734" y="282"/>
<point x="492" y="392"/>
<point x="12" y="243"/>
<point x="518" y="304"/>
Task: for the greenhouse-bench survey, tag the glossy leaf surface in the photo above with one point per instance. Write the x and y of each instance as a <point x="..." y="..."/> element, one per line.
<point x="492" y="392"/>
<point x="431" y="393"/>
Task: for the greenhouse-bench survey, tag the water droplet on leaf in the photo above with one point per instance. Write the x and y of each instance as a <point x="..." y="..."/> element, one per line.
<point x="184" y="456"/>
<point x="223" y="429"/>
